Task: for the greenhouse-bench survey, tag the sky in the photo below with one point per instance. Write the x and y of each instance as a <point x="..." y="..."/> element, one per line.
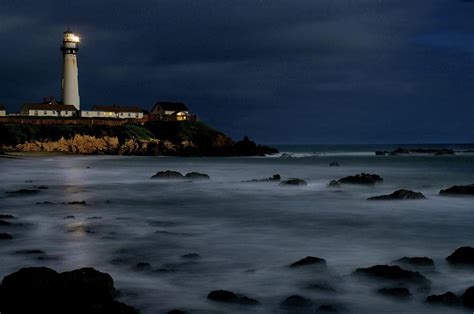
<point x="294" y="71"/>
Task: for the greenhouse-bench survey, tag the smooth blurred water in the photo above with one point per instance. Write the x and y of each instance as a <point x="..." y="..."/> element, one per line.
<point x="246" y="233"/>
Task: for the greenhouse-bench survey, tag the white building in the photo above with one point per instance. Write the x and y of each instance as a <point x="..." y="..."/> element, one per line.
<point x="49" y="109"/>
<point x="70" y="79"/>
<point x="116" y="112"/>
<point x="3" y="112"/>
<point x="173" y="111"/>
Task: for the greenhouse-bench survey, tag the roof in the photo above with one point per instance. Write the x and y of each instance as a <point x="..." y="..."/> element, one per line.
<point x="171" y="106"/>
<point x="49" y="106"/>
<point x="115" y="108"/>
<point x="2" y="107"/>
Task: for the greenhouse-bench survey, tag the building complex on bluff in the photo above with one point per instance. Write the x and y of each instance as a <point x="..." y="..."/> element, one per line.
<point x="69" y="108"/>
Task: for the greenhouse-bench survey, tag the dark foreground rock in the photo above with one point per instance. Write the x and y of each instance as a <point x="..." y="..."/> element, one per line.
<point x="168" y="174"/>
<point x="7" y="216"/>
<point x="43" y="290"/>
<point x="462" y="256"/>
<point x="294" y="182"/>
<point x="399" y="195"/>
<point x="196" y="176"/>
<point x="397" y="292"/>
<point x="458" y="190"/>
<point x="5" y="236"/>
<point x="415" y="261"/>
<point x="230" y="297"/>
<point x="307" y="261"/>
<point x="23" y="192"/>
<point x="468" y="297"/>
<point x="393" y="273"/>
<point x="362" y="178"/>
<point x="447" y="298"/>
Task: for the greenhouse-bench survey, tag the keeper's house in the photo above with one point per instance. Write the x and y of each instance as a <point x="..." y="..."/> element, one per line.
<point x="171" y="111"/>
<point x="115" y="111"/>
<point x="3" y="112"/>
<point x="49" y="108"/>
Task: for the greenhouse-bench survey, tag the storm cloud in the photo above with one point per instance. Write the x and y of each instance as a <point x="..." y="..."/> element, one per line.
<point x="302" y="71"/>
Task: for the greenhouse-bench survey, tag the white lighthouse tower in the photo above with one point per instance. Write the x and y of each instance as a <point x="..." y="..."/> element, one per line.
<point x="70" y="82"/>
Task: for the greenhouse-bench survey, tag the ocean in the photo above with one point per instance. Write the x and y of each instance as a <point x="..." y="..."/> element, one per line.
<point x="245" y="233"/>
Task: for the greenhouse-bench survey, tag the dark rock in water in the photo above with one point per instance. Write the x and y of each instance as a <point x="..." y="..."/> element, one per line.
<point x="274" y="178"/>
<point x="78" y="203"/>
<point x="294" y="182"/>
<point x="462" y="256"/>
<point x="191" y="256"/>
<point x="415" y="261"/>
<point x="468" y="297"/>
<point x="230" y="297"/>
<point x="246" y="147"/>
<point x="5" y="216"/>
<point x="108" y="202"/>
<point x="447" y="298"/>
<point x="168" y="174"/>
<point x="381" y="153"/>
<point x="142" y="266"/>
<point x="334" y="183"/>
<point x="5" y="236"/>
<point x="334" y="164"/>
<point x="42" y="290"/>
<point x="5" y="223"/>
<point x="42" y="187"/>
<point x="196" y="176"/>
<point x="395" y="292"/>
<point x="23" y="192"/>
<point x="363" y="178"/>
<point x="69" y="217"/>
<point x="309" y="260"/>
<point x="28" y="252"/>
<point x="297" y="301"/>
<point x="393" y="273"/>
<point x="399" y="195"/>
<point x="458" y="190"/>
<point x="44" y="203"/>
<point x="94" y="217"/>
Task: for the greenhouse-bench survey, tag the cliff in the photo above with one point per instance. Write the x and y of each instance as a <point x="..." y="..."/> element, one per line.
<point x="187" y="138"/>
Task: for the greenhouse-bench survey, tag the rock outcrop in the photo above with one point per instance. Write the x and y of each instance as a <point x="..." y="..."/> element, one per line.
<point x="43" y="290"/>
<point x="362" y="178"/>
<point x="392" y="273"/>
<point x="447" y="298"/>
<point x="168" y="174"/>
<point x="294" y="182"/>
<point x="399" y="195"/>
<point x="307" y="261"/>
<point x="462" y="256"/>
<point x="230" y="297"/>
<point x="458" y="190"/>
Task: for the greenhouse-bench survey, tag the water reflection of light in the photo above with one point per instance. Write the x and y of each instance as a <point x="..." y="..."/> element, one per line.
<point x="79" y="229"/>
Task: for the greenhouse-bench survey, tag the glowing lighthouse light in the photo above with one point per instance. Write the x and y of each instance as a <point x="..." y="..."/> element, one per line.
<point x="70" y="79"/>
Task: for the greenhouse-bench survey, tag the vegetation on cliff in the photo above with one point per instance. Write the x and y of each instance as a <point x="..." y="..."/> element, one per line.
<point x="188" y="138"/>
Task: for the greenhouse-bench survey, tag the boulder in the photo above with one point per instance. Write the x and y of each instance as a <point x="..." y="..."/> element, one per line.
<point x="6" y="216"/>
<point x="415" y="261"/>
<point x="468" y="297"/>
<point x="447" y="298"/>
<point x="308" y="260"/>
<point x="168" y="174"/>
<point x="458" y="190"/>
<point x="462" y="256"/>
<point x="334" y="164"/>
<point x="393" y="273"/>
<point x="83" y="203"/>
<point x="362" y="178"/>
<point x="397" y="292"/>
<point x="196" y="176"/>
<point x="23" y="192"/>
<point x="230" y="297"/>
<point x="399" y="195"/>
<point x="191" y="256"/>
<point x="5" y="236"/>
<point x="334" y="183"/>
<point x="294" y="182"/>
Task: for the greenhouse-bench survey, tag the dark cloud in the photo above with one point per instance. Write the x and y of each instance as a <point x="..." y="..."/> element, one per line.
<point x="280" y="71"/>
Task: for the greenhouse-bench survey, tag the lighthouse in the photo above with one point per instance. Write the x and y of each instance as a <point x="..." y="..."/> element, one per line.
<point x="70" y="82"/>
